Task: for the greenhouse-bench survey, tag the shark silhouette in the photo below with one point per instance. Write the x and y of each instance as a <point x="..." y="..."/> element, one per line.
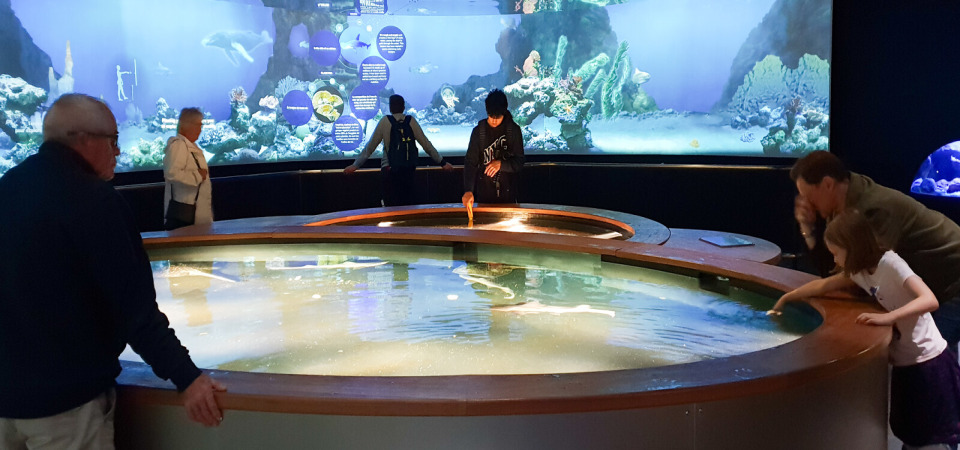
<point x="237" y="43"/>
<point x="356" y="43"/>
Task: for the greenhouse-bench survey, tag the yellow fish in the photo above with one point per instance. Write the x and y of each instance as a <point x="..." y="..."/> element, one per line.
<point x="695" y="143"/>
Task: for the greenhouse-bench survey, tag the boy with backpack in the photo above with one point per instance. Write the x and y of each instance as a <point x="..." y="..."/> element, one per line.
<point x="399" y="134"/>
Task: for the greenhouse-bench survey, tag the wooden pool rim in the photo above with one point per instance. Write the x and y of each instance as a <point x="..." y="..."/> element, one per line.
<point x="837" y="346"/>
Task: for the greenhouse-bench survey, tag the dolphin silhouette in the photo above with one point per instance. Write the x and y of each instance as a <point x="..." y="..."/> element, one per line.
<point x="237" y="43"/>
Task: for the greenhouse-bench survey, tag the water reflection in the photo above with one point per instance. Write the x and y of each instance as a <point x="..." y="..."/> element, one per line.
<point x="190" y="287"/>
<point x="373" y="310"/>
<point x="518" y="222"/>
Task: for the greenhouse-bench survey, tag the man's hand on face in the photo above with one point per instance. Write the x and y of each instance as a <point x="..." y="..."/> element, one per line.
<point x="804" y="211"/>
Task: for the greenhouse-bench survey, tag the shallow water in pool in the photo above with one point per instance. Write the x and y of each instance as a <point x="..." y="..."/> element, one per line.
<point x="397" y="310"/>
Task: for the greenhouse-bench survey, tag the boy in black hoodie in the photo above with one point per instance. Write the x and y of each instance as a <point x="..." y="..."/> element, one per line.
<point x="491" y="168"/>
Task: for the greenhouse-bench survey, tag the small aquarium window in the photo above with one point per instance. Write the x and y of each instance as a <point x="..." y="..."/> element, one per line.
<point x="939" y="174"/>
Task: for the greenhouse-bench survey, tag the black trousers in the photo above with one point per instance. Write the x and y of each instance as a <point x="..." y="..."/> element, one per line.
<point x="399" y="186"/>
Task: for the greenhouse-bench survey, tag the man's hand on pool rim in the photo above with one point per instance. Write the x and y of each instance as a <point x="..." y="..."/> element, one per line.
<point x="201" y="403"/>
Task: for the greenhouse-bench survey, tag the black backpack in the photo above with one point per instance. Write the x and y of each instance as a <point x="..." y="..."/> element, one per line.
<point x="403" y="150"/>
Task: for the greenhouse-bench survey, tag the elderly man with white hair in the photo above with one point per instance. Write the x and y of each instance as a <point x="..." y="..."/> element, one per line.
<point x="75" y="288"/>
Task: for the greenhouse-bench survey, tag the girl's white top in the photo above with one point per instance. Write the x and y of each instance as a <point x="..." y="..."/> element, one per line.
<point x="915" y="339"/>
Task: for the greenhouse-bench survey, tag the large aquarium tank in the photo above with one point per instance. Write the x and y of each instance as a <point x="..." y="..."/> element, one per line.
<point x="298" y="80"/>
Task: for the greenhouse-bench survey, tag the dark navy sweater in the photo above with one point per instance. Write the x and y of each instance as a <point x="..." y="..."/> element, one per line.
<point x="504" y="143"/>
<point x="75" y="288"/>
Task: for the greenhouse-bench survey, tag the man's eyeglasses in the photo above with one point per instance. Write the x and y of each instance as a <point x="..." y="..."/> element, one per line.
<point x="114" y="138"/>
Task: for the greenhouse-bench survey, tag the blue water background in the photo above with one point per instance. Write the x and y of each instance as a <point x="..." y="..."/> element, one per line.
<point x="107" y="33"/>
<point x="449" y="49"/>
<point x="687" y="46"/>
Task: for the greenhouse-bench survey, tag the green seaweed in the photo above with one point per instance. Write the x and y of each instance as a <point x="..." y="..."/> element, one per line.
<point x="611" y="97"/>
<point x="595" y="84"/>
<point x="561" y="53"/>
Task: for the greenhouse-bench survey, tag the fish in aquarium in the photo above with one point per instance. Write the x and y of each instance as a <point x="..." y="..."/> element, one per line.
<point x="424" y="68"/>
<point x="639" y="76"/>
<point x="162" y="70"/>
<point x="237" y="43"/>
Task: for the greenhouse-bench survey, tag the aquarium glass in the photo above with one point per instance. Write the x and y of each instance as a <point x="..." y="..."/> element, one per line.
<point x="406" y="310"/>
<point x="296" y="80"/>
<point x="939" y="175"/>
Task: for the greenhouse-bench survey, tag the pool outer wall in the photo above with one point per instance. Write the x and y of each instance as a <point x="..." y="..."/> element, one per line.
<point x="825" y="390"/>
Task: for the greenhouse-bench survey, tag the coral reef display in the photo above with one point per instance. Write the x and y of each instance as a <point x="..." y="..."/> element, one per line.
<point x="19" y="119"/>
<point x="63" y="84"/>
<point x="284" y="80"/>
<point x="790" y="103"/>
<point x="940" y="173"/>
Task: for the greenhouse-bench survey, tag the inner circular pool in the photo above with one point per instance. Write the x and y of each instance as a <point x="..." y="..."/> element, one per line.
<point x="420" y="310"/>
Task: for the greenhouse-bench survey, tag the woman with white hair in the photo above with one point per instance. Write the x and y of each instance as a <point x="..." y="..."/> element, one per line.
<point x="188" y="194"/>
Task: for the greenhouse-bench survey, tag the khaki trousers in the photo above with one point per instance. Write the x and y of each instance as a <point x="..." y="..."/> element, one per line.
<point x="88" y="426"/>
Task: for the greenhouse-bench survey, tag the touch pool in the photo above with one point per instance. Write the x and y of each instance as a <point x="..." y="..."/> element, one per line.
<point x="824" y="389"/>
<point x="404" y="310"/>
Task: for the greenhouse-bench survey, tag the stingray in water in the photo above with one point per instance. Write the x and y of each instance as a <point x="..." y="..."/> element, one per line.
<point x="343" y="265"/>
<point x="186" y="271"/>
<point x="535" y="307"/>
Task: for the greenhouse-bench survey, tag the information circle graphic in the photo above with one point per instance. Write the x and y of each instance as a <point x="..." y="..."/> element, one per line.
<point x="364" y="102"/>
<point x="296" y="108"/>
<point x="374" y="71"/>
<point x="325" y="48"/>
<point x="391" y="43"/>
<point x="356" y="43"/>
<point x="347" y="133"/>
<point x="328" y="104"/>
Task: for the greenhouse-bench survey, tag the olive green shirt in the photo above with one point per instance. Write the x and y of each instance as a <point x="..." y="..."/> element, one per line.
<point x="926" y="239"/>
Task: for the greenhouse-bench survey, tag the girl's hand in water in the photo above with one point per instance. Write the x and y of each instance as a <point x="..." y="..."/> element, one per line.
<point x="874" y="319"/>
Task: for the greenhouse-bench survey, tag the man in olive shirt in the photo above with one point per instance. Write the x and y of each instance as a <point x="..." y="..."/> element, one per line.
<point x="926" y="239"/>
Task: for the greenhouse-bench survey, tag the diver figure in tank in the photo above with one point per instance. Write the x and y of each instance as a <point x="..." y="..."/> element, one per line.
<point x="121" y="96"/>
